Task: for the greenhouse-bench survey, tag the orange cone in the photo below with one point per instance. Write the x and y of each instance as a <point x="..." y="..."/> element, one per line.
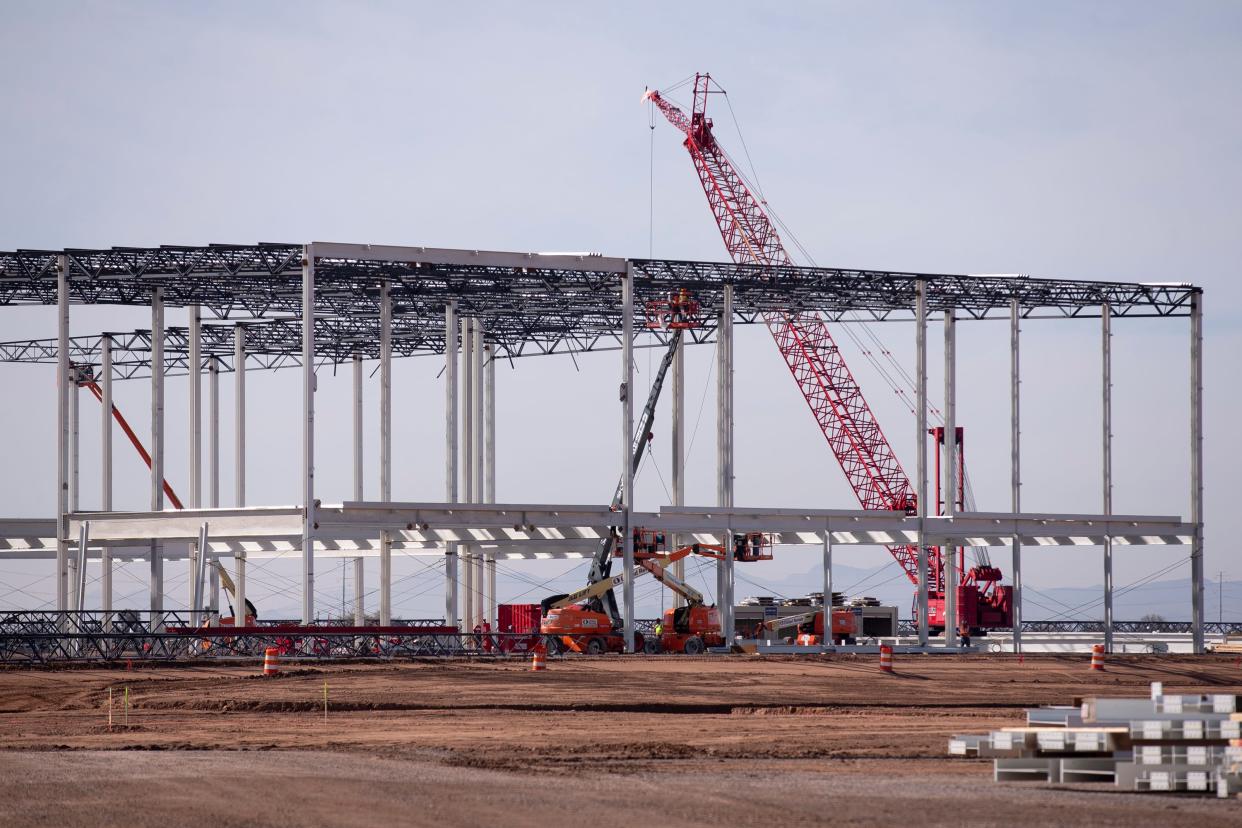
<point x="538" y="658"/>
<point x="1097" y="657"/>
<point x="271" y="661"/>
<point x="886" y="658"/>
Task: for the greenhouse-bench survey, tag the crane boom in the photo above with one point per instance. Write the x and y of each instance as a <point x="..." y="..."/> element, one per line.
<point x="804" y="340"/>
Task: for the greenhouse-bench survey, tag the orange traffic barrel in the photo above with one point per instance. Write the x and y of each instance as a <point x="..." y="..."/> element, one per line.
<point x="886" y="658"/>
<point x="1097" y="656"/>
<point x="271" y="661"/>
<point x="538" y="658"/>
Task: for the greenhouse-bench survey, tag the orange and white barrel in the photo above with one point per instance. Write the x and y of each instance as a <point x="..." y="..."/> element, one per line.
<point x="1097" y="656"/>
<point x="271" y="661"/>
<point x="886" y="658"/>
<point x="538" y="658"/>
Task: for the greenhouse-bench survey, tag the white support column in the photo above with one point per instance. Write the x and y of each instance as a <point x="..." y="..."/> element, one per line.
<point x="1107" y="423"/>
<point x="239" y="464"/>
<point x="827" y="583"/>
<point x="1196" y="468"/>
<point x="157" y="442"/>
<point x="75" y="464"/>
<point x="63" y="381"/>
<point x="948" y="552"/>
<point x="476" y="450"/>
<point x="467" y="464"/>
<point x="308" y="434"/>
<point x="1015" y="464"/>
<point x="920" y="444"/>
<point x="79" y="583"/>
<point x="627" y="470"/>
<point x="450" y="454"/>
<point x="214" y="597"/>
<point x="385" y="561"/>
<point x="724" y="454"/>
<point x="489" y="467"/>
<point x="678" y="427"/>
<point x="194" y="428"/>
<point x="360" y="610"/>
<point x="213" y="433"/>
<point x="105" y="483"/>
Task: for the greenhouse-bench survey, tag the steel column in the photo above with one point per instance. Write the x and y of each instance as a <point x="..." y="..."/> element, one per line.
<point x="678" y="441"/>
<point x="1107" y="423"/>
<point x="75" y="463"/>
<point x="79" y="582"/>
<point x="1196" y="467"/>
<point x="308" y="434"/>
<point x="467" y="464"/>
<point x="62" y="433"/>
<point x="385" y="556"/>
<point x="157" y="441"/>
<point x="828" y="638"/>
<point x="948" y="554"/>
<point x="239" y="464"/>
<point x="213" y="433"/>
<point x="476" y="466"/>
<point x="920" y="444"/>
<point x="489" y="465"/>
<point x="194" y="428"/>
<point x="1015" y="464"/>
<point x="450" y="454"/>
<point x="359" y="494"/>
<point x="627" y="432"/>
<point x="724" y="454"/>
<point x="105" y="483"/>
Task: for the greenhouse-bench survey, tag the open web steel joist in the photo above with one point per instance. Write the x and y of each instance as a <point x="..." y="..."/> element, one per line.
<point x="529" y="303"/>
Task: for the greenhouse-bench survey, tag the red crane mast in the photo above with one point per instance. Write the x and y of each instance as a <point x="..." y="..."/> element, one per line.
<point x="813" y="357"/>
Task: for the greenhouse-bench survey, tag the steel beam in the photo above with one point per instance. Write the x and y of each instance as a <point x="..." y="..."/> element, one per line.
<point x="476" y="466"/>
<point x="385" y="567"/>
<point x="194" y="430"/>
<point x="157" y="441"/>
<point x="1107" y="464"/>
<point x="105" y="484"/>
<point x="627" y="469"/>
<point x="63" y="380"/>
<point x="1196" y="467"/>
<point x="450" y="454"/>
<point x="213" y="432"/>
<point x="467" y="464"/>
<point x="75" y="463"/>
<point x="308" y="434"/>
<point x="948" y="552"/>
<point x="359" y="494"/>
<point x="920" y="443"/>
<point x="678" y="445"/>
<point x="1015" y="463"/>
<point x="724" y="452"/>
<point x="239" y="464"/>
<point x="489" y="456"/>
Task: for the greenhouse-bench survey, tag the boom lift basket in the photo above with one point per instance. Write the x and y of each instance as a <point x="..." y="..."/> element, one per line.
<point x="676" y="313"/>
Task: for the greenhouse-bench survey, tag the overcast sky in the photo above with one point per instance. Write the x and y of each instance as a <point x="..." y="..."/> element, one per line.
<point x="1093" y="141"/>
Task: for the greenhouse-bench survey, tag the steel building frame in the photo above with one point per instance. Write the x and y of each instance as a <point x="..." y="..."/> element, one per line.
<point x="282" y="306"/>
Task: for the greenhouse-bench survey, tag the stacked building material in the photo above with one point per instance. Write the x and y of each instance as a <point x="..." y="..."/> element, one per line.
<point x="866" y="601"/>
<point x="1165" y="743"/>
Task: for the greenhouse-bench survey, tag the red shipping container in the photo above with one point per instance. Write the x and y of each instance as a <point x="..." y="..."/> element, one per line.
<point x="517" y="618"/>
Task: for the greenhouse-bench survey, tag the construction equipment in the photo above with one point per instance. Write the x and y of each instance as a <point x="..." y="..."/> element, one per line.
<point x="846" y="625"/>
<point x="230" y="590"/>
<point x="578" y="623"/>
<point x="815" y="361"/>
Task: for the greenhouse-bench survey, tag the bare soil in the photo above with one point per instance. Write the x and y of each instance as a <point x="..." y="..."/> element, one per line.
<point x="623" y="740"/>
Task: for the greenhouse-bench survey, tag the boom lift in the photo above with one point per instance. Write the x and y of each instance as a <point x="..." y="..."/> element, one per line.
<point x="815" y="361"/>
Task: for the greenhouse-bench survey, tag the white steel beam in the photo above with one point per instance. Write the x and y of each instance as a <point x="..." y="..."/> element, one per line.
<point x="467" y="464"/>
<point x="1015" y="463"/>
<point x="920" y="443"/>
<point x="308" y="434"/>
<point x="1196" y="467"/>
<point x="194" y="429"/>
<point x="627" y="469"/>
<point x="450" y="454"/>
<point x="724" y="453"/>
<point x="359" y="493"/>
<point x="948" y="552"/>
<point x="213" y="432"/>
<point x="157" y="441"/>
<point x="62" y="432"/>
<point x="469" y="258"/>
<point x="385" y="567"/>
<point x="239" y="466"/>
<point x="489" y="481"/>
<point x="1107" y="463"/>
<point x="476" y="466"/>
<point x="678" y="445"/>
<point x="105" y="464"/>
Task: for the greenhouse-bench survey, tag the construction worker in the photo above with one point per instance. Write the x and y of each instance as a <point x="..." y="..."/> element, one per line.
<point x="964" y="634"/>
<point x="659" y="628"/>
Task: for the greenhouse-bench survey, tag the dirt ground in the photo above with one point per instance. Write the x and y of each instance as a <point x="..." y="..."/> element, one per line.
<point x="622" y="740"/>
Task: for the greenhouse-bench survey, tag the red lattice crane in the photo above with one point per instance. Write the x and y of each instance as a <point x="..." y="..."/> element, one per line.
<point x="813" y="357"/>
